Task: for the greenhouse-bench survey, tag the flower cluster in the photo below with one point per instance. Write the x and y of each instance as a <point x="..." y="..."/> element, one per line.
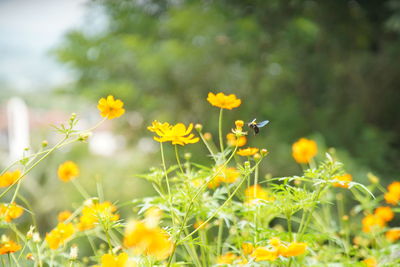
<point x="177" y="134"/>
<point x="378" y="219"/>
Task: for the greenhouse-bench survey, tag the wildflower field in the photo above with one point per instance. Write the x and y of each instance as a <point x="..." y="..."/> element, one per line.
<point x="226" y="213"/>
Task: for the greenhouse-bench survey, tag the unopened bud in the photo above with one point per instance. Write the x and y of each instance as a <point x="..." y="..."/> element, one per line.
<point x="207" y="136"/>
<point x="45" y="143"/>
<point x="30" y="257"/>
<point x="345" y="218"/>
<point x="36" y="237"/>
<point x="198" y="127"/>
<point x="187" y="156"/>
<point x="257" y="156"/>
<point x="73" y="116"/>
<point x="239" y="124"/>
<point x="264" y="152"/>
<point x="73" y="254"/>
<point x="373" y="178"/>
<point x="247" y="164"/>
<point x="84" y="136"/>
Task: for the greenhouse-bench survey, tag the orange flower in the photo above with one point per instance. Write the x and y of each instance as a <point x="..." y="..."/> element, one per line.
<point x="233" y="141"/>
<point x="370" y="262"/>
<point x="393" y="194"/>
<point x="264" y="254"/>
<point x="227" y="258"/>
<point x="9" y="178"/>
<point x="110" y="108"/>
<point x="247" y="248"/>
<point x="9" y="247"/>
<point x="177" y="134"/>
<point x="9" y="212"/>
<point x="385" y="213"/>
<point x="68" y="171"/>
<point x="59" y="235"/>
<point x="393" y="235"/>
<point x="95" y="212"/>
<point x="223" y="101"/>
<point x="250" y="151"/>
<point x="110" y="260"/>
<point x="344" y="180"/>
<point x="64" y="215"/>
<point x="304" y="150"/>
<point x="294" y="249"/>
<point x="372" y="221"/>
<point x="255" y="193"/>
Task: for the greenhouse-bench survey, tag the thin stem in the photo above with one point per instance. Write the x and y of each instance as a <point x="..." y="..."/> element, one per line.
<point x="178" y="160"/>
<point x="167" y="182"/>
<point x="80" y="189"/>
<point x="256" y="210"/>
<point x="289" y="224"/>
<point x="207" y="145"/>
<point x="221" y="140"/>
<point x="219" y="240"/>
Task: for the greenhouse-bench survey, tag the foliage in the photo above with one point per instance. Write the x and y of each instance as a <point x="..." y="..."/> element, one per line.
<point x="241" y="220"/>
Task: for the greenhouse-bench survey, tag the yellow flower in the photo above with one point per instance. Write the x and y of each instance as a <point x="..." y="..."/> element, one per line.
<point x="275" y="242"/>
<point x="177" y="134"/>
<point x="227" y="175"/>
<point x="247" y="248"/>
<point x="304" y="150"/>
<point x="64" y="215"/>
<point x="344" y="180"/>
<point x="95" y="212"/>
<point x="9" y="212"/>
<point x="223" y="101"/>
<point x="393" y="194"/>
<point x="255" y="193"/>
<point x="68" y="171"/>
<point x="109" y="260"/>
<point x="9" y="178"/>
<point x="110" y="108"/>
<point x="370" y="262"/>
<point x="227" y="258"/>
<point x="9" y="247"/>
<point x="393" y="235"/>
<point x="264" y="254"/>
<point x="385" y="213"/>
<point x="59" y="235"/>
<point x="294" y="249"/>
<point x="148" y="241"/>
<point x="232" y="140"/>
<point x="372" y="221"/>
<point x="250" y="151"/>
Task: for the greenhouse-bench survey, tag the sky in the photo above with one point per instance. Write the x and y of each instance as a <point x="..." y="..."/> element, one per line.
<point x="29" y="29"/>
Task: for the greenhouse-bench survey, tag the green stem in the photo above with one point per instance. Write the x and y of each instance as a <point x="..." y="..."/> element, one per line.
<point x="219" y="240"/>
<point x="256" y="209"/>
<point x="178" y="160"/>
<point x="221" y="140"/>
<point x="167" y="182"/>
<point x="207" y="145"/>
<point x="289" y="224"/>
<point x="80" y="189"/>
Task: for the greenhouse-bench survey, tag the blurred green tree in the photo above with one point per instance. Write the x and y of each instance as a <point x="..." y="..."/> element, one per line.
<point x="326" y="67"/>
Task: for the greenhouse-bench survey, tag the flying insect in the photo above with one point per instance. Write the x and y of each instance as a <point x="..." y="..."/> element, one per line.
<point x="256" y="126"/>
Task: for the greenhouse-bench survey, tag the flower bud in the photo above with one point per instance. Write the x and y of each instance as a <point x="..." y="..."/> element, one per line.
<point x="187" y="156"/>
<point x="345" y="218"/>
<point x="84" y="136"/>
<point x="207" y="136"/>
<point x="257" y="157"/>
<point x="45" y="143"/>
<point x="264" y="152"/>
<point x="373" y="178"/>
<point x="198" y="127"/>
<point x="73" y="254"/>
<point x="73" y="116"/>
<point x="247" y="164"/>
<point x="239" y="124"/>
<point x="30" y="257"/>
<point x="36" y="237"/>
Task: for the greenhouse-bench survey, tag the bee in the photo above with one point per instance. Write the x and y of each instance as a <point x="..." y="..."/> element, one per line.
<point x="256" y="126"/>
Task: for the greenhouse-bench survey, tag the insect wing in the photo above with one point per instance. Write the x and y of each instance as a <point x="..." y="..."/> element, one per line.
<point x="262" y="124"/>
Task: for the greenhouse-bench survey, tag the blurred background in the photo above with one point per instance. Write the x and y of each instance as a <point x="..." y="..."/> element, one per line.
<point x="326" y="70"/>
